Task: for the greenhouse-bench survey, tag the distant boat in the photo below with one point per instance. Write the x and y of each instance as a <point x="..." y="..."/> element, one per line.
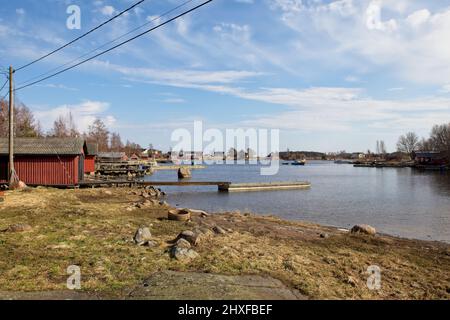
<point x="343" y="162"/>
<point x="299" y="163"/>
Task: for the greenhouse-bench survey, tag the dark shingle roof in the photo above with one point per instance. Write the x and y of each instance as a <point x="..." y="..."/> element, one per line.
<point x="92" y="149"/>
<point x="44" y="146"/>
<point x="429" y="154"/>
<point x="112" y="155"/>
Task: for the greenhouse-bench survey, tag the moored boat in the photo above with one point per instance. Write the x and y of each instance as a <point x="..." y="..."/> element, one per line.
<point x="299" y="162"/>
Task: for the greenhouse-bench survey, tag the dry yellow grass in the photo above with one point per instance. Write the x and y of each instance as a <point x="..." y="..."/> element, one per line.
<point x="93" y="230"/>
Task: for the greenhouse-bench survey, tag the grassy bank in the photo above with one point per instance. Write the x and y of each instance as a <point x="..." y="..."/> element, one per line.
<point x="94" y="228"/>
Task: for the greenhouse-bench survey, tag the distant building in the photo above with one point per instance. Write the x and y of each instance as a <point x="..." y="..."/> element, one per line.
<point x="45" y="161"/>
<point x="432" y="158"/>
<point x="358" y="155"/>
<point x="134" y="157"/>
<point x="152" y="153"/>
<point x="90" y="157"/>
<point x="112" y="157"/>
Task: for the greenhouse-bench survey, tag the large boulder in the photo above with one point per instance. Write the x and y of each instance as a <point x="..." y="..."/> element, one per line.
<point x="184" y="173"/>
<point x="143" y="236"/>
<point x="183" y="244"/>
<point x="20" y="227"/>
<point x="190" y="236"/>
<point x="364" y="228"/>
<point x="19" y="185"/>
<point x="183" y="254"/>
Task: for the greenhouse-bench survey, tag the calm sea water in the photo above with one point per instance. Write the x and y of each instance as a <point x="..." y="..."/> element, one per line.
<point x="402" y="202"/>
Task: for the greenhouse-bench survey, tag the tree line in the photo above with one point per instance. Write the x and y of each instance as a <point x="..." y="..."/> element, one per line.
<point x="26" y="126"/>
<point x="438" y="141"/>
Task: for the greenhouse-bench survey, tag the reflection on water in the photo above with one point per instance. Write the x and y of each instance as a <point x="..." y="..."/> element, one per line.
<point x="401" y="202"/>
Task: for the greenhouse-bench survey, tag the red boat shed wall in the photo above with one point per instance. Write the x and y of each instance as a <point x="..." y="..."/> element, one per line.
<point x="91" y="155"/>
<point x="47" y="162"/>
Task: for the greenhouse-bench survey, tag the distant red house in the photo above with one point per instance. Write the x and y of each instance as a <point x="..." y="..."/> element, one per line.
<point x="45" y="161"/>
<point x="134" y="157"/>
<point x="89" y="159"/>
<point x="111" y="157"/>
<point x="430" y="158"/>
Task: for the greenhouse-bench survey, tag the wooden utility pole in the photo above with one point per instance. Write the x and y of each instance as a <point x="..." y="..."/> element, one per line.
<point x="12" y="172"/>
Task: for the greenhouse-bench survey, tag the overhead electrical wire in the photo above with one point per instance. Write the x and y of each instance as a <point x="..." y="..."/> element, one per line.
<point x="107" y="43"/>
<point x="80" y="37"/>
<point x="3" y="86"/>
<point x="116" y="46"/>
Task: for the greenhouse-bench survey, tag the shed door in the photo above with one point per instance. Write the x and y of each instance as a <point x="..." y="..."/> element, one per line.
<point x="3" y="169"/>
<point x="81" y="168"/>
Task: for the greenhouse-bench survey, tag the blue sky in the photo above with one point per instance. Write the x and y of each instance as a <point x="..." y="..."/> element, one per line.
<point x="331" y="75"/>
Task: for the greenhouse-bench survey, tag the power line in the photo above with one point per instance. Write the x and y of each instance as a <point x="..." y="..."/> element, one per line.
<point x="82" y="36"/>
<point x="107" y="43"/>
<point x="3" y="86"/>
<point x="116" y="46"/>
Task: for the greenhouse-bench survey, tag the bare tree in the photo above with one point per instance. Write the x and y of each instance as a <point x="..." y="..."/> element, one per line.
<point x="381" y="148"/>
<point x="132" y="148"/>
<point x="440" y="138"/>
<point x="64" y="126"/>
<point x="408" y="143"/>
<point x="425" y="145"/>
<point x="99" y="134"/>
<point x="116" y="144"/>
<point x="25" y="123"/>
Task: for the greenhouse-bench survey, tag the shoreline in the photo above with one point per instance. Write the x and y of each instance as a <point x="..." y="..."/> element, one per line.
<point x="94" y="228"/>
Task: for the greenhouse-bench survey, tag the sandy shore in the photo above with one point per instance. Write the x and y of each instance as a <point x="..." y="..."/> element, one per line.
<point x="94" y="229"/>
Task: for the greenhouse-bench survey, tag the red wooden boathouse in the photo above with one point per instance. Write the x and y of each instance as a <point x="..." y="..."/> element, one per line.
<point x="90" y="157"/>
<point x="45" y="161"/>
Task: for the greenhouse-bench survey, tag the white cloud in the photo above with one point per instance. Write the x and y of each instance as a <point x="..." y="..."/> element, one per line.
<point x="83" y="114"/>
<point x="369" y="35"/>
<point x="108" y="10"/>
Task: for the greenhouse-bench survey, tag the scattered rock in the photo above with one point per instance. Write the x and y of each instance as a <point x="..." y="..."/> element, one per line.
<point x="364" y="228"/>
<point x="190" y="236"/>
<point x="184" y="173"/>
<point x="201" y="213"/>
<point x="21" y="227"/>
<point x="183" y="254"/>
<point x="154" y="202"/>
<point x="151" y="244"/>
<point x="351" y="281"/>
<point x="324" y="235"/>
<point x="142" y="236"/>
<point x="219" y="230"/>
<point x="107" y="192"/>
<point x="183" y="244"/>
<point x="205" y="231"/>
<point x="179" y="215"/>
<point x="20" y="185"/>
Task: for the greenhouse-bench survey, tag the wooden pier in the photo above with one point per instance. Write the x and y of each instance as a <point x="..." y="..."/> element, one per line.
<point x="176" y="167"/>
<point x="223" y="186"/>
<point x="271" y="186"/>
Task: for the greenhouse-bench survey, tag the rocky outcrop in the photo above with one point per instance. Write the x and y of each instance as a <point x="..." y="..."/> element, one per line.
<point x="364" y="228"/>
<point x="184" y="173"/>
<point x="143" y="236"/>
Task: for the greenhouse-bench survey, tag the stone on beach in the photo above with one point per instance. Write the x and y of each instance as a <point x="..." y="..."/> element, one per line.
<point x="143" y="236"/>
<point x="183" y="254"/>
<point x="190" y="236"/>
<point x="364" y="228"/>
<point x="183" y="244"/>
<point x="219" y="230"/>
<point x="21" y="227"/>
<point x="184" y="173"/>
